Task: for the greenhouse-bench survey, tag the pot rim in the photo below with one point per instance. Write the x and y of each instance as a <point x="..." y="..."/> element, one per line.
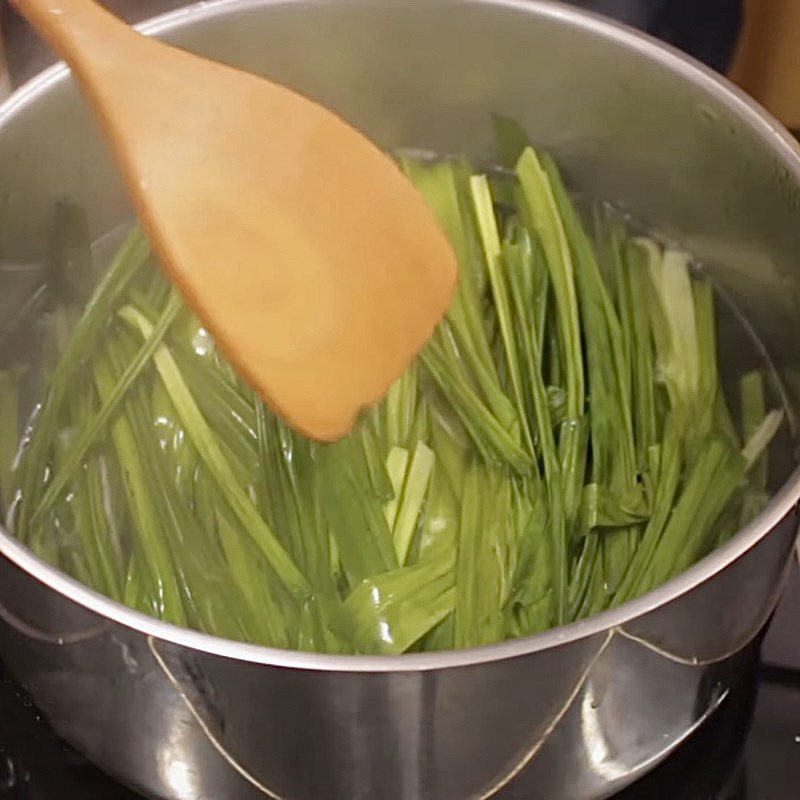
<point x="780" y="506"/>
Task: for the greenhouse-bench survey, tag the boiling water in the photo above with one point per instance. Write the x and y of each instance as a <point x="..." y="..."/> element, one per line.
<point x="40" y="324"/>
<point x="26" y="323"/>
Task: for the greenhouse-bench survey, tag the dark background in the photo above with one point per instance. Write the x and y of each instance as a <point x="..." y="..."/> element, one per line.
<point x="708" y="29"/>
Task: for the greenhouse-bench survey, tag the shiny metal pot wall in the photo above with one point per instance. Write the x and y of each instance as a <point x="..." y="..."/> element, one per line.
<point x="574" y="713"/>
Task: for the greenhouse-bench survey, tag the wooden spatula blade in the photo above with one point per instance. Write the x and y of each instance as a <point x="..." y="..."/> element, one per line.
<point x="326" y="288"/>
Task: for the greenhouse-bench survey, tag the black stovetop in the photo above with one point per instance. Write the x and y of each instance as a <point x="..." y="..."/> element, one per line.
<point x="749" y="750"/>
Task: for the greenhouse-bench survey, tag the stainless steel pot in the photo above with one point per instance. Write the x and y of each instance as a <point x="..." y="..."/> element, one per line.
<point x="577" y="712"/>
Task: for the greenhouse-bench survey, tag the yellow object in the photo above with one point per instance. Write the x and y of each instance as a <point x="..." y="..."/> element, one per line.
<point x="314" y="262"/>
<point x="767" y="62"/>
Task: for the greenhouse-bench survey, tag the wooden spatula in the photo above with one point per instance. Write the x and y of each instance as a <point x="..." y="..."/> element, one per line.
<point x="309" y="256"/>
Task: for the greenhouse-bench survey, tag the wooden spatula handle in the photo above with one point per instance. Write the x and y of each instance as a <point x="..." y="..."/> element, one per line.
<point x="73" y="28"/>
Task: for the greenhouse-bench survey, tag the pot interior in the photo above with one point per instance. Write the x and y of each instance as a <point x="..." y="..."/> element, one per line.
<point x="687" y="158"/>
